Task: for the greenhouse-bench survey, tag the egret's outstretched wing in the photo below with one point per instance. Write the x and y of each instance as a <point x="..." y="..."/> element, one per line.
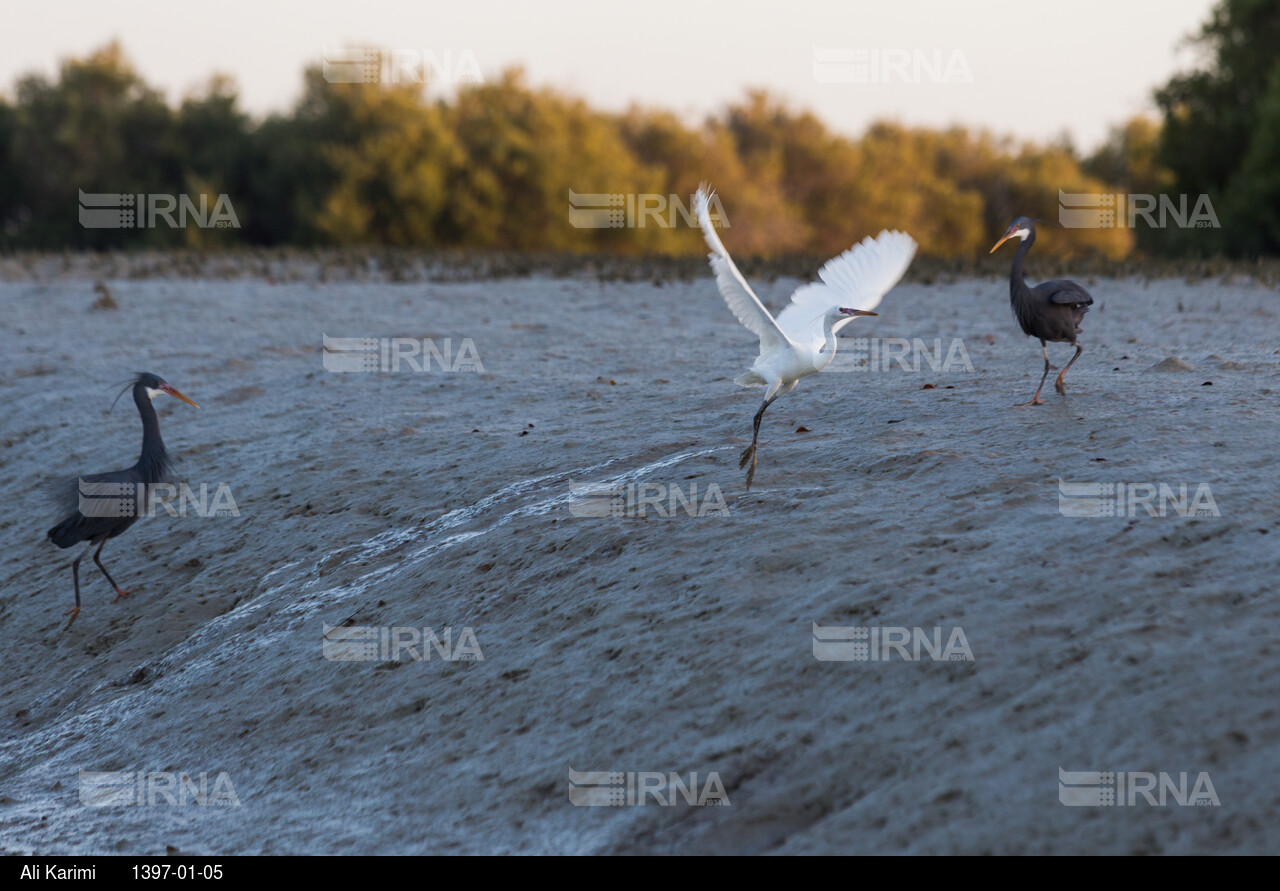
<point x="733" y="287"/>
<point x="857" y="279"/>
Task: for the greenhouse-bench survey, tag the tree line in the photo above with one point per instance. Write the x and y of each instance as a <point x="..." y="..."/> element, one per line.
<point x="493" y="166"/>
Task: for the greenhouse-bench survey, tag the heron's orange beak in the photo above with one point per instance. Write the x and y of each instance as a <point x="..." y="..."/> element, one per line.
<point x="1007" y="236"/>
<point x="858" y="312"/>
<point x="172" y="391"/>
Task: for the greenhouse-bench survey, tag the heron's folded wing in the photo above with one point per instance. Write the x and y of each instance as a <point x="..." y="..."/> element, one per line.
<point x="858" y="279"/>
<point x="1066" y="291"/>
<point x="746" y="306"/>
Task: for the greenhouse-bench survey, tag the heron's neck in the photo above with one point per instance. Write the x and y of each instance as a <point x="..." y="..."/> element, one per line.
<point x="153" y="463"/>
<point x="1018" y="284"/>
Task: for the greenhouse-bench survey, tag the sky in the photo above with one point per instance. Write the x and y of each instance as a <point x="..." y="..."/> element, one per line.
<point x="1033" y="69"/>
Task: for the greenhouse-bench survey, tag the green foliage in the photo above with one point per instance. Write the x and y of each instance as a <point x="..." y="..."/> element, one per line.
<point x="1219" y="135"/>
<point x="1252" y="206"/>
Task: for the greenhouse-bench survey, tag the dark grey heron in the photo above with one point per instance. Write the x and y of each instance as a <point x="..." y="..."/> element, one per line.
<point x="114" y="500"/>
<point x="1051" y="311"/>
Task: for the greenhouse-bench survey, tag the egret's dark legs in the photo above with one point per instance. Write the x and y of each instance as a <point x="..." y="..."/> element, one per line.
<point x="750" y="455"/>
<point x="1036" y="400"/>
<point x="120" y="592"/>
<point x="1058" y="384"/>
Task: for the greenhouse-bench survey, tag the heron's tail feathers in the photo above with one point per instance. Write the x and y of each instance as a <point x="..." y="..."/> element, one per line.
<point x="68" y="532"/>
<point x="750" y="379"/>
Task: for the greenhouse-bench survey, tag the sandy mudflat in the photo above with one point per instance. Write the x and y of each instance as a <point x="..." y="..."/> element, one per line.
<point x="641" y="644"/>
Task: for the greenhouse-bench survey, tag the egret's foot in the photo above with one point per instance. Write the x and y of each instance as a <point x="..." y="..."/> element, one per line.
<point x="751" y="472"/>
<point x="73" y="613"/>
<point x="121" y="594"/>
<point x="1060" y="386"/>
<point x="1036" y="400"/>
<point x="749" y="454"/>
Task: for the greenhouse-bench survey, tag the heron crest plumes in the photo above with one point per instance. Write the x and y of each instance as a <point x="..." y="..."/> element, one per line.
<point x="125" y="387"/>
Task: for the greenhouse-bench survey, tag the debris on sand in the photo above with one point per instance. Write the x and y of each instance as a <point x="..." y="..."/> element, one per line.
<point x="105" y="299"/>
<point x="1173" y="363"/>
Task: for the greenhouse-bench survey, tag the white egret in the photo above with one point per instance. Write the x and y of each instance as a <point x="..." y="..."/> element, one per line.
<point x="802" y="339"/>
